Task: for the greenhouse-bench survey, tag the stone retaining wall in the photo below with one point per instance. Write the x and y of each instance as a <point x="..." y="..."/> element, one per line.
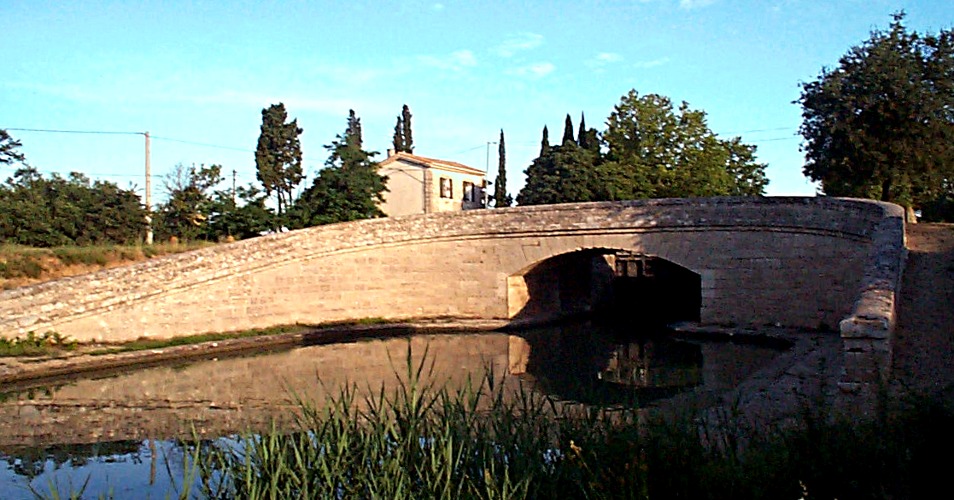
<point x="868" y="332"/>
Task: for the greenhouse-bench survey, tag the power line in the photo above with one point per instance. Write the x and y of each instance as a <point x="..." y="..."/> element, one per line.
<point x="98" y="132"/>
<point x="205" y="144"/>
<point x="754" y="131"/>
<point x="772" y="139"/>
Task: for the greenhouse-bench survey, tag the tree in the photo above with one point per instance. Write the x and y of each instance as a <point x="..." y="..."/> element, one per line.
<point x="545" y="142"/>
<point x="561" y="174"/>
<point x="673" y="153"/>
<point x="8" y="149"/>
<point x="354" y="129"/>
<point x="278" y="156"/>
<point x="186" y="213"/>
<point x="398" y="140"/>
<point x="406" y="124"/>
<point x="242" y="214"/>
<point x="403" y="140"/>
<point x="50" y="212"/>
<point x="567" y="131"/>
<point x="651" y="151"/>
<point x="881" y="124"/>
<point x="588" y="138"/>
<point x="501" y="198"/>
<point x="348" y="188"/>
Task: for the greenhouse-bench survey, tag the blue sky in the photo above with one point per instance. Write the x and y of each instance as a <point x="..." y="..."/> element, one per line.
<point x="202" y="71"/>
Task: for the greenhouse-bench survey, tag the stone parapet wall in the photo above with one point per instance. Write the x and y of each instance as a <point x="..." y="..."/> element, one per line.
<point x="867" y="333"/>
<point x="790" y="261"/>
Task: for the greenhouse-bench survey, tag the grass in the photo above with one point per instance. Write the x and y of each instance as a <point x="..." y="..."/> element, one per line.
<point x="147" y="344"/>
<point x="33" y="345"/>
<point x="490" y="440"/>
<point x="487" y="442"/>
<point x="21" y="264"/>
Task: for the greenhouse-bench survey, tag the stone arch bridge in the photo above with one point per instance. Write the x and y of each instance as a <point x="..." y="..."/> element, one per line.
<point x="800" y="262"/>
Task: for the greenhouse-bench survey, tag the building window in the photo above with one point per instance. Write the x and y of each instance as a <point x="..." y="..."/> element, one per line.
<point x="447" y="188"/>
<point x="470" y="194"/>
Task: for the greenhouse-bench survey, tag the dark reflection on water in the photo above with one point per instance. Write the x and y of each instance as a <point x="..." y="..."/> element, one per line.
<point x="119" y="430"/>
<point x="613" y="365"/>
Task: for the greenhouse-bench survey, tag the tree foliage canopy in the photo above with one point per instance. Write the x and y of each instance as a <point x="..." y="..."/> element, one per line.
<point x="195" y="210"/>
<point x="186" y="212"/>
<point x="9" y="149"/>
<point x="403" y="140"/>
<point x="881" y="124"/>
<point x="42" y="212"/>
<point x="278" y="155"/>
<point x="649" y="150"/>
<point x="348" y="188"/>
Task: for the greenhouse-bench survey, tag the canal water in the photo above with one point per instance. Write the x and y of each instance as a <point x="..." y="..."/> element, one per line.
<point x="119" y="433"/>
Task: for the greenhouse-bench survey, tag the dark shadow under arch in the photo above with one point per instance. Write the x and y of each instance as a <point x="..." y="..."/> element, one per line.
<point x="613" y="282"/>
<point x="655" y="289"/>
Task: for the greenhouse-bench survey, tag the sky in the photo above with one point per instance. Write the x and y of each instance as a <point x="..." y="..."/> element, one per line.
<point x="197" y="74"/>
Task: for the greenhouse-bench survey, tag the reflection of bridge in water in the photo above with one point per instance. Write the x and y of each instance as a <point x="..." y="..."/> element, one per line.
<point x="219" y="397"/>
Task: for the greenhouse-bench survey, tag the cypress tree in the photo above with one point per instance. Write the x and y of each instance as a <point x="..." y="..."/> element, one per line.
<point x="545" y="142"/>
<point x="501" y="198"/>
<point x="581" y="137"/>
<point x="406" y="124"/>
<point x="568" y="131"/>
<point x="398" y="140"/>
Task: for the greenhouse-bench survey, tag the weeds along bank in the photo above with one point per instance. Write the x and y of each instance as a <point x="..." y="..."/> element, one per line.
<point x="422" y="441"/>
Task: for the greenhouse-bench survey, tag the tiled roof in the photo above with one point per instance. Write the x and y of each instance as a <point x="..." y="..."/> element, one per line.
<point x="432" y="163"/>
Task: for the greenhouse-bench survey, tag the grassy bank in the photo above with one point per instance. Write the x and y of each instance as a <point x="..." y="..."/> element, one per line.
<point x="148" y="344"/>
<point x="46" y="344"/>
<point x="423" y="441"/>
<point x="20" y="265"/>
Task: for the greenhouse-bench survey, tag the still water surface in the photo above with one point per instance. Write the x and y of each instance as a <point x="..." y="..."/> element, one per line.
<point x="119" y="431"/>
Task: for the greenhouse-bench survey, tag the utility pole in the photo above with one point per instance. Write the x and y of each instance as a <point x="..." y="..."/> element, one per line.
<point x="233" y="186"/>
<point x="487" y="160"/>
<point x="148" y="194"/>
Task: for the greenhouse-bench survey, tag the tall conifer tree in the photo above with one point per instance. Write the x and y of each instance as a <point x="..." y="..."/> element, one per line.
<point x="545" y="142"/>
<point x="501" y="198"/>
<point x="398" y="140"/>
<point x="581" y="134"/>
<point x="348" y="188"/>
<point x="568" y="131"/>
<point x="278" y="155"/>
<point x="406" y="125"/>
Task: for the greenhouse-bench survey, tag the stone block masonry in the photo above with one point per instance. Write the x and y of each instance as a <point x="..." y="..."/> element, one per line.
<point x="802" y="262"/>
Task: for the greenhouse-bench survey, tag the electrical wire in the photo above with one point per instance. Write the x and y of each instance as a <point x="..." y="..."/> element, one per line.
<point x="97" y="132"/>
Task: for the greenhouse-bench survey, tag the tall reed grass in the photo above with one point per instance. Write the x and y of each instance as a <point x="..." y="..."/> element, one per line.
<point x="486" y="441"/>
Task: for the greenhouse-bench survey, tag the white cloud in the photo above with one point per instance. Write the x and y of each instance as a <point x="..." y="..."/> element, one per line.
<point x="603" y="59"/>
<point x="651" y="64"/>
<point x="519" y="42"/>
<point x="608" y="57"/>
<point x="535" y="70"/>
<point x="694" y="4"/>
<point x="455" y="61"/>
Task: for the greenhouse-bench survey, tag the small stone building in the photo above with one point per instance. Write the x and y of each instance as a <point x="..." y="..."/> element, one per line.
<point x="419" y="185"/>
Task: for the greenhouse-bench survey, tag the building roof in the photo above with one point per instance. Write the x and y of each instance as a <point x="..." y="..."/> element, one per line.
<point x="425" y="162"/>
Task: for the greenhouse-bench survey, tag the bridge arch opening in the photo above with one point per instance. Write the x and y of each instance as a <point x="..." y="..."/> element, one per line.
<point x="619" y="283"/>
